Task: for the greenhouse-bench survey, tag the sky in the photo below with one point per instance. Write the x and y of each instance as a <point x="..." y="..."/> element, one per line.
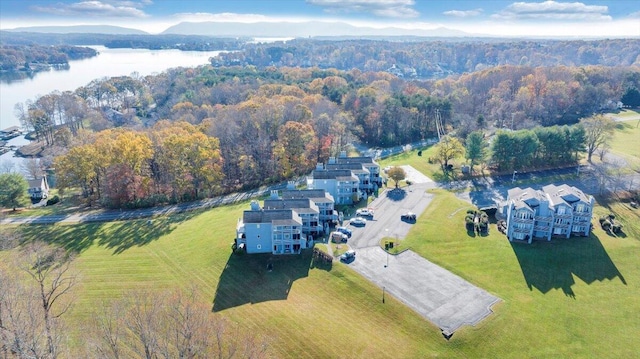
<point x="586" y="18"/>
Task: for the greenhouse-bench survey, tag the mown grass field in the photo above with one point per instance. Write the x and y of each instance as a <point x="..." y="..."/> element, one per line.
<point x="572" y="298"/>
<point x="626" y="139"/>
<point x="307" y="310"/>
<point x="567" y="298"/>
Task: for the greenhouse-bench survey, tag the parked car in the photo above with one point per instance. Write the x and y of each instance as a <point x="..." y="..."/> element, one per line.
<point x="348" y="256"/>
<point x="344" y="230"/>
<point x="408" y="217"/>
<point x="364" y="212"/>
<point x="338" y="237"/>
<point x="358" y="221"/>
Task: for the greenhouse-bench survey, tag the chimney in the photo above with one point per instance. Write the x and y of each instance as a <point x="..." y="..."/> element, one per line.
<point x="291" y="185"/>
<point x="274" y="194"/>
<point x="255" y="206"/>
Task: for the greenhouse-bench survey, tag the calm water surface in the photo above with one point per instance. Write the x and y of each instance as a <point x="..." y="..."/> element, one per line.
<point x="109" y="63"/>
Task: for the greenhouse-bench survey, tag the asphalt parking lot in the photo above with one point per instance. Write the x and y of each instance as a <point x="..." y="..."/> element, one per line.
<point x="442" y="297"/>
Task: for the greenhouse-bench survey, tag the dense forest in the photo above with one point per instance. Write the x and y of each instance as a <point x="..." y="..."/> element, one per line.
<point x="434" y="58"/>
<point x="154" y="42"/>
<point x="35" y="57"/>
<point x="191" y="133"/>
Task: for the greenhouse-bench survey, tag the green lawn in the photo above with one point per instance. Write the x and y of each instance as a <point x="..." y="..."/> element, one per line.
<point x="307" y="309"/>
<point x="626" y="141"/>
<point x="568" y="298"/>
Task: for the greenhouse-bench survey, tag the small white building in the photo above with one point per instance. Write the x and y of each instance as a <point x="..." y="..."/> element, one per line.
<point x="38" y="188"/>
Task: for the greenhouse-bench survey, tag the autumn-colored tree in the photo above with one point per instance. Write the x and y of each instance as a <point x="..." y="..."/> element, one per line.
<point x="296" y="148"/>
<point x="397" y="174"/>
<point x="448" y="149"/>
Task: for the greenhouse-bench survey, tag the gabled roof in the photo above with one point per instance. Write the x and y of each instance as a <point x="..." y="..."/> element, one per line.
<point x="270" y="215"/>
<point x="300" y="205"/>
<point x="332" y="174"/>
<point x="35" y="183"/>
<point x="355" y="167"/>
<point x="363" y="160"/>
<point x="316" y="195"/>
<point x="565" y="194"/>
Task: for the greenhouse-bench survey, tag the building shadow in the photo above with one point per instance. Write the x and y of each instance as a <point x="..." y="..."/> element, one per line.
<point x="553" y="265"/>
<point x="257" y="278"/>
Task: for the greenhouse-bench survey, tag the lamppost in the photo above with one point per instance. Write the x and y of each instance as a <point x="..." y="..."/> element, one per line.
<point x="383" y="290"/>
<point x="513" y="178"/>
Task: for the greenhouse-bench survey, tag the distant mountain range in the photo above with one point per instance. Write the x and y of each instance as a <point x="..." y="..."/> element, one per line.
<point x="301" y="29"/>
<point x="81" y="29"/>
<point x="257" y="29"/>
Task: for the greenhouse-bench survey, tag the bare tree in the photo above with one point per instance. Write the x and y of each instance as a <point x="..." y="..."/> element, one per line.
<point x="168" y="325"/>
<point x="32" y="168"/>
<point x="106" y="331"/>
<point x="49" y="267"/>
<point x="598" y="132"/>
<point x="143" y="322"/>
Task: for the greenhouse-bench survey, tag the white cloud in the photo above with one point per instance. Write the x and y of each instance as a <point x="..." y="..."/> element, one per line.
<point x="553" y="10"/>
<point x="382" y="8"/>
<point x="463" y="13"/>
<point x="96" y="9"/>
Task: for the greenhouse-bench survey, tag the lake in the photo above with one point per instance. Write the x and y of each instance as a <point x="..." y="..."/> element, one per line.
<point x="108" y="63"/>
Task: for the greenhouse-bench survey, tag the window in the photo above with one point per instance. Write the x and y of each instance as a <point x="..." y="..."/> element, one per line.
<point x="562" y="210"/>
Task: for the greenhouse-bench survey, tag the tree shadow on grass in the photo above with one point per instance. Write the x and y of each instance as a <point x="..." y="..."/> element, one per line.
<point x="257" y="278"/>
<point x="396" y="194"/>
<point x="552" y="265"/>
<point x="118" y="236"/>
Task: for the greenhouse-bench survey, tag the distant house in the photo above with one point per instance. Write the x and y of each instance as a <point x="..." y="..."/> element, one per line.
<point x="38" y="188"/>
<point x="276" y="231"/>
<point x="553" y="211"/>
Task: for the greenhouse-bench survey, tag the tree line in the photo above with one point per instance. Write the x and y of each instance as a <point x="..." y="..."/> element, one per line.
<point x="434" y="58"/>
<point x="20" y="57"/>
<point x="267" y="125"/>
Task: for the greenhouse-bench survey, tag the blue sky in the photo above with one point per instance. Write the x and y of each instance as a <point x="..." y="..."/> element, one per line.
<point x="588" y="18"/>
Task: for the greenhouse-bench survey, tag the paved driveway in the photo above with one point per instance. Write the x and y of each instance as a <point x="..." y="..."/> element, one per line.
<point x="435" y="293"/>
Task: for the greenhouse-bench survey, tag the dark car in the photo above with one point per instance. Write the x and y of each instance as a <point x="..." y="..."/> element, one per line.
<point x="344" y="230"/>
<point x="408" y="217"/>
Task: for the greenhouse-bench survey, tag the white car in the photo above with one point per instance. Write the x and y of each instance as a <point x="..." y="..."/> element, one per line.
<point x="358" y="221"/>
<point x="364" y="212"/>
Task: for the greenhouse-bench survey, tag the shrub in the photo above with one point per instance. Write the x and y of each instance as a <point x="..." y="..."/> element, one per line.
<point x="53" y="200"/>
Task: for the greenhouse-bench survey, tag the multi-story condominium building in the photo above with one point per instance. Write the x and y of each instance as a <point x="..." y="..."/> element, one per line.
<point x="304" y="207"/>
<point x="322" y="199"/>
<point x="343" y="185"/>
<point x="276" y="231"/>
<point x="367" y="163"/>
<point x="553" y="211"/>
